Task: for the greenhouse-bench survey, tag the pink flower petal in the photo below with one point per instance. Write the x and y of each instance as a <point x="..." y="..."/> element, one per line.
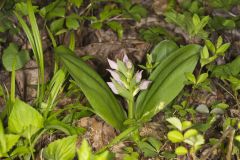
<point x="144" y="84"/>
<point x="138" y="76"/>
<point x="127" y="62"/>
<point x="112" y="64"/>
<point x="115" y="75"/>
<point x="113" y="88"/>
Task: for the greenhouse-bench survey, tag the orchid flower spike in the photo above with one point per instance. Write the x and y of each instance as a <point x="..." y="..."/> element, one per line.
<point x="113" y="88"/>
<point x="127" y="62"/>
<point x="144" y="84"/>
<point x="112" y="64"/>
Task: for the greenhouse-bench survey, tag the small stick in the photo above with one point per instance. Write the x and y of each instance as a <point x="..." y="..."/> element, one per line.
<point x="230" y="145"/>
<point x="210" y="151"/>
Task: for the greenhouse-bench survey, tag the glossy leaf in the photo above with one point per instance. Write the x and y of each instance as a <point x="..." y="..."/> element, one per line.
<point x="95" y="89"/>
<point x="13" y="57"/>
<point x="186" y="125"/>
<point x="85" y="151"/>
<point x="163" y="50"/>
<point x="189" y="133"/>
<point x="175" y="122"/>
<point x="62" y="149"/>
<point x="175" y="136"/>
<point x="77" y="2"/>
<point x="181" y="150"/>
<point x="167" y="81"/>
<point x="24" y="119"/>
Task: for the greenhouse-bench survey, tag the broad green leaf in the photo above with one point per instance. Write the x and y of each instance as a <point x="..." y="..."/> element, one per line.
<point x="210" y="46"/>
<point x="103" y="156"/>
<point x="204" y="53"/>
<point x="108" y="12"/>
<point x="96" y="25"/>
<point x="163" y="50"/>
<point x="223" y="48"/>
<point x="117" y="27"/>
<point x="20" y="150"/>
<point x="167" y="81"/>
<point x="24" y="119"/>
<point x="12" y="56"/>
<point x="53" y="10"/>
<point x="147" y="149"/>
<point x="136" y="11"/>
<point x="189" y="133"/>
<point x="186" y="125"/>
<point x="191" y="77"/>
<point x="175" y="136"/>
<point x="57" y="25"/>
<point x="181" y="150"/>
<point x="196" y="20"/>
<point x="62" y="149"/>
<point x="77" y="2"/>
<point x="229" y="24"/>
<point x="154" y="34"/>
<point x="203" y="22"/>
<point x="11" y="140"/>
<point x="155" y="143"/>
<point x="95" y="89"/>
<point x="195" y="141"/>
<point x="72" y="23"/>
<point x="219" y="41"/>
<point x="202" y="77"/>
<point x="235" y="83"/>
<point x="175" y="122"/>
<point x="66" y="128"/>
<point x="226" y="70"/>
<point x="85" y="151"/>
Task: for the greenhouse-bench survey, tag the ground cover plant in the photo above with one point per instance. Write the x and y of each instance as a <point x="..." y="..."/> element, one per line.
<point x="119" y="79"/>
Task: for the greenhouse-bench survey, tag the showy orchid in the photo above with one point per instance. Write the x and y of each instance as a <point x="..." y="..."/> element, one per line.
<point x="123" y="80"/>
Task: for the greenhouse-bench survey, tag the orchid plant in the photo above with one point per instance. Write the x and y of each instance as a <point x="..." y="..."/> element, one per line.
<point x="125" y="82"/>
<point x="145" y="98"/>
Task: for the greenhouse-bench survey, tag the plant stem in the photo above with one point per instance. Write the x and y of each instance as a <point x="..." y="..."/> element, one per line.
<point x="31" y="148"/>
<point x="130" y="107"/>
<point x="210" y="151"/>
<point x="13" y="86"/>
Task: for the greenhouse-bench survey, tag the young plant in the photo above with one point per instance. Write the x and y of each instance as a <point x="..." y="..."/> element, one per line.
<point x="185" y="134"/>
<point x="192" y="24"/>
<point x="217" y="50"/>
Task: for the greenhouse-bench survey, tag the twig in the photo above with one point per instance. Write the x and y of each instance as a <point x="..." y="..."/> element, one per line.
<point x="230" y="145"/>
<point x="210" y="151"/>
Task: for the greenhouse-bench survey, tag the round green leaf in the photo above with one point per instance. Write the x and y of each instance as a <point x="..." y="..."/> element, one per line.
<point x="175" y="136"/>
<point x="190" y="133"/>
<point x="14" y="58"/>
<point x="62" y="149"/>
<point x="186" y="124"/>
<point x="175" y="122"/>
<point x="181" y="150"/>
